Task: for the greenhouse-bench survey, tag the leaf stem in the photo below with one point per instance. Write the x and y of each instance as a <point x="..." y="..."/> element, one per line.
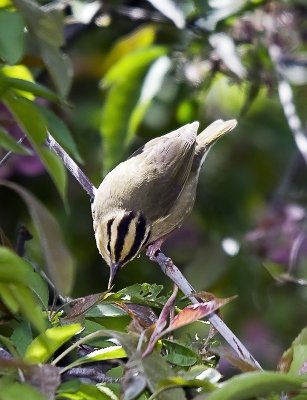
<point x="85" y="339"/>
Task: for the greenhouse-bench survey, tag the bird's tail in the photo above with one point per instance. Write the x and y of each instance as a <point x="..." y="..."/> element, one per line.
<point x="210" y="135"/>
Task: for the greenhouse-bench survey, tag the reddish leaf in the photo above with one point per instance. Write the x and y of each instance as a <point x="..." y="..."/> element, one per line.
<point x="195" y="312"/>
<point x="208" y="296"/>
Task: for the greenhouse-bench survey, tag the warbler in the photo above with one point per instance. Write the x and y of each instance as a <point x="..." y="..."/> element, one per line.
<point x="145" y="198"/>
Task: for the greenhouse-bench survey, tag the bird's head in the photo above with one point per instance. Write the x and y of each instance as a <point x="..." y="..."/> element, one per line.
<point x="120" y="236"/>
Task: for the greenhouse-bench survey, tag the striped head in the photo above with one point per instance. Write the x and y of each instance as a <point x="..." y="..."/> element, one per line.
<point x="120" y="237"/>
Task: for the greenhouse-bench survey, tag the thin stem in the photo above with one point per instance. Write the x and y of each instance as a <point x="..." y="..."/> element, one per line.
<point x="162" y="389"/>
<point x="85" y="339"/>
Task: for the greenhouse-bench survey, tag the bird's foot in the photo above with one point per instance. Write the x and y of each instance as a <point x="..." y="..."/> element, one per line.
<point x="154" y="249"/>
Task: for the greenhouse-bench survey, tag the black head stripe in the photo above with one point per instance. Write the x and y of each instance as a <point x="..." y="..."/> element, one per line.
<point x="140" y="232"/>
<point x="122" y="230"/>
<point x="109" y="226"/>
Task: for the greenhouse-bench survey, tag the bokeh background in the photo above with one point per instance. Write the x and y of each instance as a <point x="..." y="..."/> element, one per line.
<point x="140" y="70"/>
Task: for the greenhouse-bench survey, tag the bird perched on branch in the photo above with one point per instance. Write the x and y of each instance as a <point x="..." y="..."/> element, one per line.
<point x="145" y="198"/>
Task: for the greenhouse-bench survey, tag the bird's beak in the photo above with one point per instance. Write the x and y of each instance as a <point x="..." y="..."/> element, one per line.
<point x="113" y="271"/>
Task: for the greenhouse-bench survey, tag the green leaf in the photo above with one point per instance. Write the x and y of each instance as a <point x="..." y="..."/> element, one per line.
<point x="105" y="310"/>
<point x="17" y="275"/>
<point x="46" y="27"/>
<point x="201" y="372"/>
<point x="32" y="87"/>
<point x="46" y="24"/>
<point x="294" y="359"/>
<point x="38" y="286"/>
<point x="8" y="343"/>
<point x="28" y="306"/>
<point x="6" y="4"/>
<point x="125" y="81"/>
<point x="8" y="298"/>
<point x="107" y="353"/>
<point x="58" y="259"/>
<point x="13" y="390"/>
<point x="154" y="367"/>
<point x="19" y="298"/>
<point x="205" y="384"/>
<point x="58" y="66"/>
<point x="61" y="133"/>
<point x="141" y="38"/>
<point x="16" y="73"/>
<point x="133" y="384"/>
<point x="11" y="36"/>
<point x="10" y="144"/>
<point x="156" y="370"/>
<point x="145" y="293"/>
<point x="151" y="86"/>
<point x="132" y="64"/>
<point x="252" y="384"/>
<point x="179" y="355"/>
<point x="44" y="346"/>
<point x="85" y="392"/>
<point x="33" y="124"/>
<point x="28" y="117"/>
<point x="22" y="337"/>
<point x="13" y="269"/>
<point x="299" y="359"/>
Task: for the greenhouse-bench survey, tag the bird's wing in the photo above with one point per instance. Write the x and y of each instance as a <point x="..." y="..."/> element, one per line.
<point x="163" y="166"/>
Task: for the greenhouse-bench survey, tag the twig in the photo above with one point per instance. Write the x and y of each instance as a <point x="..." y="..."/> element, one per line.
<point x="89" y="373"/>
<point x="10" y="153"/>
<point x="71" y="166"/>
<point x="170" y="270"/>
<point x="164" y="262"/>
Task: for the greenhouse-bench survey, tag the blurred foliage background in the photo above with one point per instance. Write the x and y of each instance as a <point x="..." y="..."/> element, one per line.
<point x="128" y="71"/>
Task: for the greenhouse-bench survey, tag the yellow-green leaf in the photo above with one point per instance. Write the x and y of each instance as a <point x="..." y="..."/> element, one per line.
<point x="44" y="346"/>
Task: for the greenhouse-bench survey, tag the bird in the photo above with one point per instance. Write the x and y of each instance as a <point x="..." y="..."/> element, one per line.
<point x="145" y="198"/>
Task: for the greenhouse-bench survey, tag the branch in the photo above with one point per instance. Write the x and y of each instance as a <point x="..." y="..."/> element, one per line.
<point x="72" y="167"/>
<point x="165" y="263"/>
